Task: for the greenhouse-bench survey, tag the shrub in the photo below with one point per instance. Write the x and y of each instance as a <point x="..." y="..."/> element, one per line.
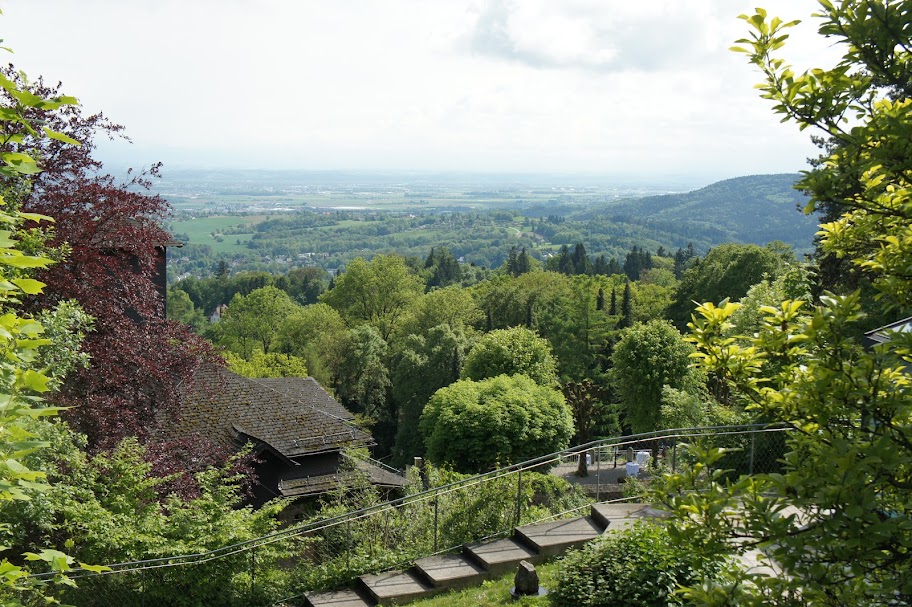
<point x="476" y="425"/>
<point x="635" y="566"/>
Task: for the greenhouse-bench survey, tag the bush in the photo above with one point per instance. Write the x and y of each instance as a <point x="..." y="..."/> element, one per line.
<point x="635" y="566"/>
<point x="476" y="425"/>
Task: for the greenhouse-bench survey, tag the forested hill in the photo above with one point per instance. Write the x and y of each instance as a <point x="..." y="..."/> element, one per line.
<point x="753" y="209"/>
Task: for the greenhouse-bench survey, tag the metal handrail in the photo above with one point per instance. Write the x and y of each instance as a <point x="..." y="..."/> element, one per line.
<point x="312" y="526"/>
<point x="375" y="462"/>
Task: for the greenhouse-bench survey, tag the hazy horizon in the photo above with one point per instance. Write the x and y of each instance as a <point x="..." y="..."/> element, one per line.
<point x="592" y="86"/>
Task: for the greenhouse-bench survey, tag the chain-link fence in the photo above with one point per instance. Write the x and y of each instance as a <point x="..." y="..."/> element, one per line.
<point x="336" y="548"/>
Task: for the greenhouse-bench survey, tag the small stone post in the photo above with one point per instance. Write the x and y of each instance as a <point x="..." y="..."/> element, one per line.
<point x="526" y="582"/>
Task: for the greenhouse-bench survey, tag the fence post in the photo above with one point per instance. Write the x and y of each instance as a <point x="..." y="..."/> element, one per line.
<point x="519" y="499"/>
<point x="753" y="437"/>
<point x="348" y="544"/>
<point x="598" y="475"/>
<point x="252" y="574"/>
<point x="674" y="453"/>
<point x="436" y="501"/>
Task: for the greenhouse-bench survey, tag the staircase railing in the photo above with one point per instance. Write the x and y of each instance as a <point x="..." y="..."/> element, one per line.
<point x="334" y="550"/>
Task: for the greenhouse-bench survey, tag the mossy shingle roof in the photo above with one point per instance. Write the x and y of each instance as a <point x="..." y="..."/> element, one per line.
<point x="294" y="418"/>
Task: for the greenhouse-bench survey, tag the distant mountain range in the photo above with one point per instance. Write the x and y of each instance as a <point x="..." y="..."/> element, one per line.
<point x="753" y="209"/>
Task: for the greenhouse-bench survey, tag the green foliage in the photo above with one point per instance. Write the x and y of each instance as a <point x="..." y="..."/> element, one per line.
<point x="362" y="377"/>
<point x="792" y="284"/>
<point x="593" y="413"/>
<point x="442" y="268"/>
<point x="647" y="358"/>
<point x="640" y="565"/>
<point x="844" y="470"/>
<point x="474" y="426"/>
<point x="451" y="306"/>
<point x="105" y="507"/>
<point x="274" y="364"/>
<point x="424" y="364"/>
<point x="179" y="307"/>
<point x="252" y="321"/>
<point x="834" y="523"/>
<point x="727" y="271"/>
<point x="22" y="338"/>
<point x="316" y="334"/>
<point x="626" y="319"/>
<point x="562" y="310"/>
<point x="681" y="409"/>
<point x="863" y="105"/>
<point x="514" y="351"/>
<point x="377" y="292"/>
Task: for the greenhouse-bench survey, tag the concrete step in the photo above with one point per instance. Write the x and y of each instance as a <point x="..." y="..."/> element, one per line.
<point x="619" y="516"/>
<point x="338" y="598"/>
<point x="549" y="539"/>
<point x="450" y="571"/>
<point x="395" y="587"/>
<point x="500" y="556"/>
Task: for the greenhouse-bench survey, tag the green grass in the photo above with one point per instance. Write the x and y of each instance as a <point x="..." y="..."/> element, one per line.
<point x="495" y="593"/>
<point x="200" y="230"/>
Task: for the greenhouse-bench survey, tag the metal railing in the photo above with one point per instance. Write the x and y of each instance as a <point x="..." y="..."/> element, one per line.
<point x="343" y="543"/>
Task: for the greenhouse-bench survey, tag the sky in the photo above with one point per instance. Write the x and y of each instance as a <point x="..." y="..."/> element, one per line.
<point x="614" y="87"/>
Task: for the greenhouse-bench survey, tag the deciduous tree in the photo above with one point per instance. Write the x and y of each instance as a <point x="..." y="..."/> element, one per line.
<point x="647" y="358"/>
<point x="727" y="271"/>
<point x="112" y="230"/>
<point x="377" y="292"/>
<point x="252" y="321"/>
<point x="425" y="363"/>
<point x="516" y="351"/>
<point x="475" y="426"/>
<point x="834" y="525"/>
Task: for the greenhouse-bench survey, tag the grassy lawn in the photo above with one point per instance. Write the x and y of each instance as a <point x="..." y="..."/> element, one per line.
<point x="200" y="230"/>
<point x="495" y="593"/>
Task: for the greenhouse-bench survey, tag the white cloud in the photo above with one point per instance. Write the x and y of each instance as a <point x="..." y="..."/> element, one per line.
<point x="531" y="85"/>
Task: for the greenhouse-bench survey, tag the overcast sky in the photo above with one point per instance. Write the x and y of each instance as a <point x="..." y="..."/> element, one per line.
<point x="632" y="87"/>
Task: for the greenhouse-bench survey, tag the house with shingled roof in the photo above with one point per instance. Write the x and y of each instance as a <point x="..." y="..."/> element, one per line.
<point x="298" y="431"/>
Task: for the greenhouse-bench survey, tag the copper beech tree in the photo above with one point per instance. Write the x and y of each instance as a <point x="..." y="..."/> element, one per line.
<point x="111" y="234"/>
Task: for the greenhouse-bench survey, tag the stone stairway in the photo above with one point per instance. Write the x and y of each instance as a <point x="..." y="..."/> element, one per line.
<point x="482" y="560"/>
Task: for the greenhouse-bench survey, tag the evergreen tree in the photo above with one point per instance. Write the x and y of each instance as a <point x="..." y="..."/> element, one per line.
<point x="523" y="264"/>
<point x="600" y="300"/>
<point x="636" y="262"/>
<point x="632" y="263"/>
<point x="681" y="257"/>
<point x="614" y="302"/>
<point x="626" y="308"/>
<point x="564" y="261"/>
<point x="580" y="259"/>
<point x="614" y="267"/>
<point x="512" y="263"/>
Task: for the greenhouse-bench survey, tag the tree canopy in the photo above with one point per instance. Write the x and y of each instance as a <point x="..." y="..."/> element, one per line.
<point x="514" y="351"/>
<point x="647" y="358"/>
<point x="375" y="292"/>
<point x="727" y="271"/>
<point x="476" y="425"/>
<point x="834" y="523"/>
<point x="112" y="236"/>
